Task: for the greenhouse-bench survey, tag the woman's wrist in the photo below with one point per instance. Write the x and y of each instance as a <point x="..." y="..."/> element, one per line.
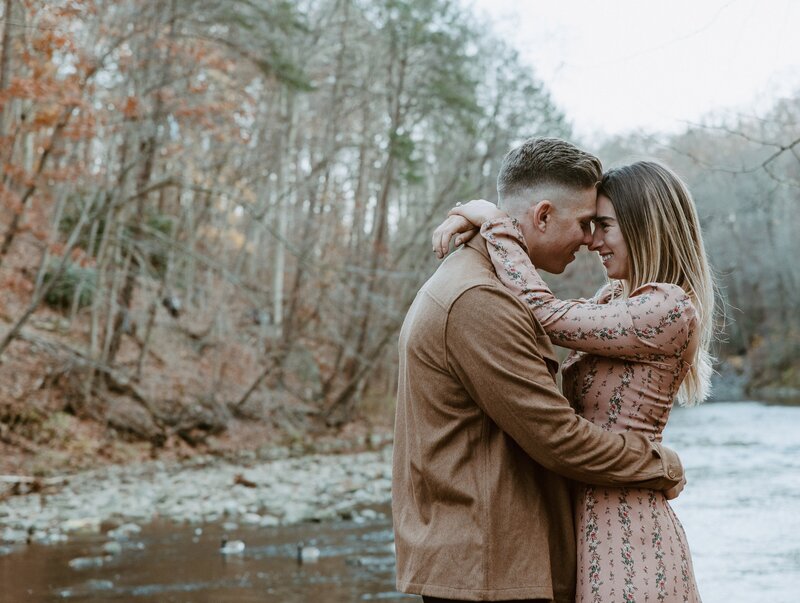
<point x="497" y="214"/>
<point x="499" y="220"/>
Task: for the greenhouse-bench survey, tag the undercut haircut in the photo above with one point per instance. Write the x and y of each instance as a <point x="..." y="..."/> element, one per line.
<point x="546" y="161"/>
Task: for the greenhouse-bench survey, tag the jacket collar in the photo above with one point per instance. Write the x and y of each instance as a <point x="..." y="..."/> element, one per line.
<point x="478" y="243"/>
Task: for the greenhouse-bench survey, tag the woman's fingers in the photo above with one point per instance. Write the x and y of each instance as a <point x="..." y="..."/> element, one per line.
<point x="441" y="239"/>
<point x="449" y="228"/>
<point x="462" y="222"/>
<point x="442" y="235"/>
<point x="465" y="237"/>
<point x="444" y="240"/>
<point x="436" y="239"/>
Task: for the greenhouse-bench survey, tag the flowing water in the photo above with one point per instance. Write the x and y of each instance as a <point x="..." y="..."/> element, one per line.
<point x="741" y="512"/>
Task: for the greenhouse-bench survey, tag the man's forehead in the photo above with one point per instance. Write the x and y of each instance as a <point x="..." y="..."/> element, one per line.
<point x="584" y="204"/>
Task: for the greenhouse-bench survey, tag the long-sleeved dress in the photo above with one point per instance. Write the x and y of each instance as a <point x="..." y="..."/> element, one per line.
<point x="628" y="359"/>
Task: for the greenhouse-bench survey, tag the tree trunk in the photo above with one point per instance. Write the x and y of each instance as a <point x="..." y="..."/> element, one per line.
<point x="5" y="63"/>
<point x="148" y="148"/>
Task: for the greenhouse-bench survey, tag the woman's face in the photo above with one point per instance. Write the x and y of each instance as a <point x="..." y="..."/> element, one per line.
<point x="608" y="242"/>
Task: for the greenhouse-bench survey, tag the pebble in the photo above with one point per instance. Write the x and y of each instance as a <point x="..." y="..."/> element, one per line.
<point x="81" y="563"/>
<point x="99" y="585"/>
<point x="112" y="548"/>
<point x="269" y="521"/>
<point x="81" y="525"/>
<point x="125" y="531"/>
<point x="288" y="491"/>
<point x="12" y="536"/>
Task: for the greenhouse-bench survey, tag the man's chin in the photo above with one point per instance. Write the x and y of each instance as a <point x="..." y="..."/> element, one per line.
<point x="561" y="268"/>
<point x="552" y="269"/>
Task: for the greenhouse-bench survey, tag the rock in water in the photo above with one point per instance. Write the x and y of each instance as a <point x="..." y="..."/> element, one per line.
<point x="307" y="554"/>
<point x="112" y="548"/>
<point x="83" y="525"/>
<point x="81" y="563"/>
<point x="231" y="547"/>
<point x="125" y="531"/>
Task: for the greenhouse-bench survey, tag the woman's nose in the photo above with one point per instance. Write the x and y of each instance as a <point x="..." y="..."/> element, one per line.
<point x="597" y="240"/>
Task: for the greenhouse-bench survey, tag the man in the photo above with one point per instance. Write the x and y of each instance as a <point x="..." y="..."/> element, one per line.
<point x="483" y="438"/>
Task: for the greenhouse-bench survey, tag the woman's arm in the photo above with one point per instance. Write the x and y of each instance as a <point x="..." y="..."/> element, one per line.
<point x="656" y="320"/>
<point x="462" y="222"/>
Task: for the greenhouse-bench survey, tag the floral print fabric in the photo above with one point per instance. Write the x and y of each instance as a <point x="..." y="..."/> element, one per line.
<point x="628" y="359"/>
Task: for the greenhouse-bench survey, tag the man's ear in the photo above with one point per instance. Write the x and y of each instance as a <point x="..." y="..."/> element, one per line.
<point x="542" y="214"/>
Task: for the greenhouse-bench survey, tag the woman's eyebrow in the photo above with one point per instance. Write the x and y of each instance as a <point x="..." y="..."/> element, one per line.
<point x="603" y="219"/>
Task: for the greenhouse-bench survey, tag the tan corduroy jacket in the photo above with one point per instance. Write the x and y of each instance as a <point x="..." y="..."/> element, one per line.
<point x="482" y="439"/>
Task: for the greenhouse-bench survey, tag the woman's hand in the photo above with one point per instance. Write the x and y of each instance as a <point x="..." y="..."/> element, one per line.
<point x="453" y="225"/>
<point x="465" y="221"/>
<point x="478" y="211"/>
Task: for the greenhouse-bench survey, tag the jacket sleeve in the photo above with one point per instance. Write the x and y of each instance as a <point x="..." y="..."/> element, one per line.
<point x="508" y="379"/>
<point x="656" y="320"/>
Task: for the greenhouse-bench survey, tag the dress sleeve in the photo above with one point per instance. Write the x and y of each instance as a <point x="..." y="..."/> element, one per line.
<point x="656" y="320"/>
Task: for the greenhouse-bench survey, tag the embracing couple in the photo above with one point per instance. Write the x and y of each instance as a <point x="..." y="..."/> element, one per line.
<point x="506" y="488"/>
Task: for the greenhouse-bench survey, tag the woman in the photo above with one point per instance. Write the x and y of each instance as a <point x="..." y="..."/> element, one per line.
<point x="642" y="341"/>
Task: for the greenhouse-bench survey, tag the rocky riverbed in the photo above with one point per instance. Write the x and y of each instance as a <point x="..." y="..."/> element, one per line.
<point x="284" y="490"/>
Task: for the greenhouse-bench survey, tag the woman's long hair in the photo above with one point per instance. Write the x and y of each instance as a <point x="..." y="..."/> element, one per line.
<point x="658" y="220"/>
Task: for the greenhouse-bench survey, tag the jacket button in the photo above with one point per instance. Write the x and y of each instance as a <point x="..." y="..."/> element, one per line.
<point x="672" y="474"/>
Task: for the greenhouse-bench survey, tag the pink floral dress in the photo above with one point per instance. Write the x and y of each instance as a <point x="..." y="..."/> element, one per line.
<point x="629" y="356"/>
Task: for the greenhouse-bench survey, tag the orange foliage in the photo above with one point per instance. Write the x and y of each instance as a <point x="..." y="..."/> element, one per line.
<point x="21" y="87"/>
<point x="39" y="234"/>
<point x="18" y="173"/>
<point x="198" y="88"/>
<point x="47" y="116"/>
<point x="10" y="200"/>
<point x="131" y="107"/>
<point x="16" y="282"/>
<point x="77" y="255"/>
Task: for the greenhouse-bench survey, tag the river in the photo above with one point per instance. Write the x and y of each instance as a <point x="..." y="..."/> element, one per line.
<point x="740" y="509"/>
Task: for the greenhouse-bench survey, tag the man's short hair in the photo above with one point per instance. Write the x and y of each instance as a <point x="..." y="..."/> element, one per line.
<point x="550" y="161"/>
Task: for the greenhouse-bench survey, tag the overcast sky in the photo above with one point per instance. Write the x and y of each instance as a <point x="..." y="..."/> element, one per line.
<point x="622" y="65"/>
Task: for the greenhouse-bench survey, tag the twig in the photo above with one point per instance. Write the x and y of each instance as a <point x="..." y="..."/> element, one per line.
<point x="28" y="479"/>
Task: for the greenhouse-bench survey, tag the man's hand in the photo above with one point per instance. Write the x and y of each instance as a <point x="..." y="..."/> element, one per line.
<point x="673" y="492"/>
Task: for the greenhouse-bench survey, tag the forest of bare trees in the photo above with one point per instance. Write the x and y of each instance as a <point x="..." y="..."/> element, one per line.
<point x="219" y="210"/>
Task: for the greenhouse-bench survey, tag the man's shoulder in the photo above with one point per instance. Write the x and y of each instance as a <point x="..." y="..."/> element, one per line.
<point x="465" y="295"/>
<point x="463" y="272"/>
<point x="465" y="280"/>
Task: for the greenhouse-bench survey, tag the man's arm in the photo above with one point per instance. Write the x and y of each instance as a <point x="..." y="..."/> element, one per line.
<point x="489" y="350"/>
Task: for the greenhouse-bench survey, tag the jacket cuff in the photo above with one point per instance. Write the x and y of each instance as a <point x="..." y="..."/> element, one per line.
<point x="671" y="463"/>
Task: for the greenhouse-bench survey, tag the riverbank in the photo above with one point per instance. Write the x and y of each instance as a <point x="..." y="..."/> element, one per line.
<point x="722" y="445"/>
<point x="252" y="491"/>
